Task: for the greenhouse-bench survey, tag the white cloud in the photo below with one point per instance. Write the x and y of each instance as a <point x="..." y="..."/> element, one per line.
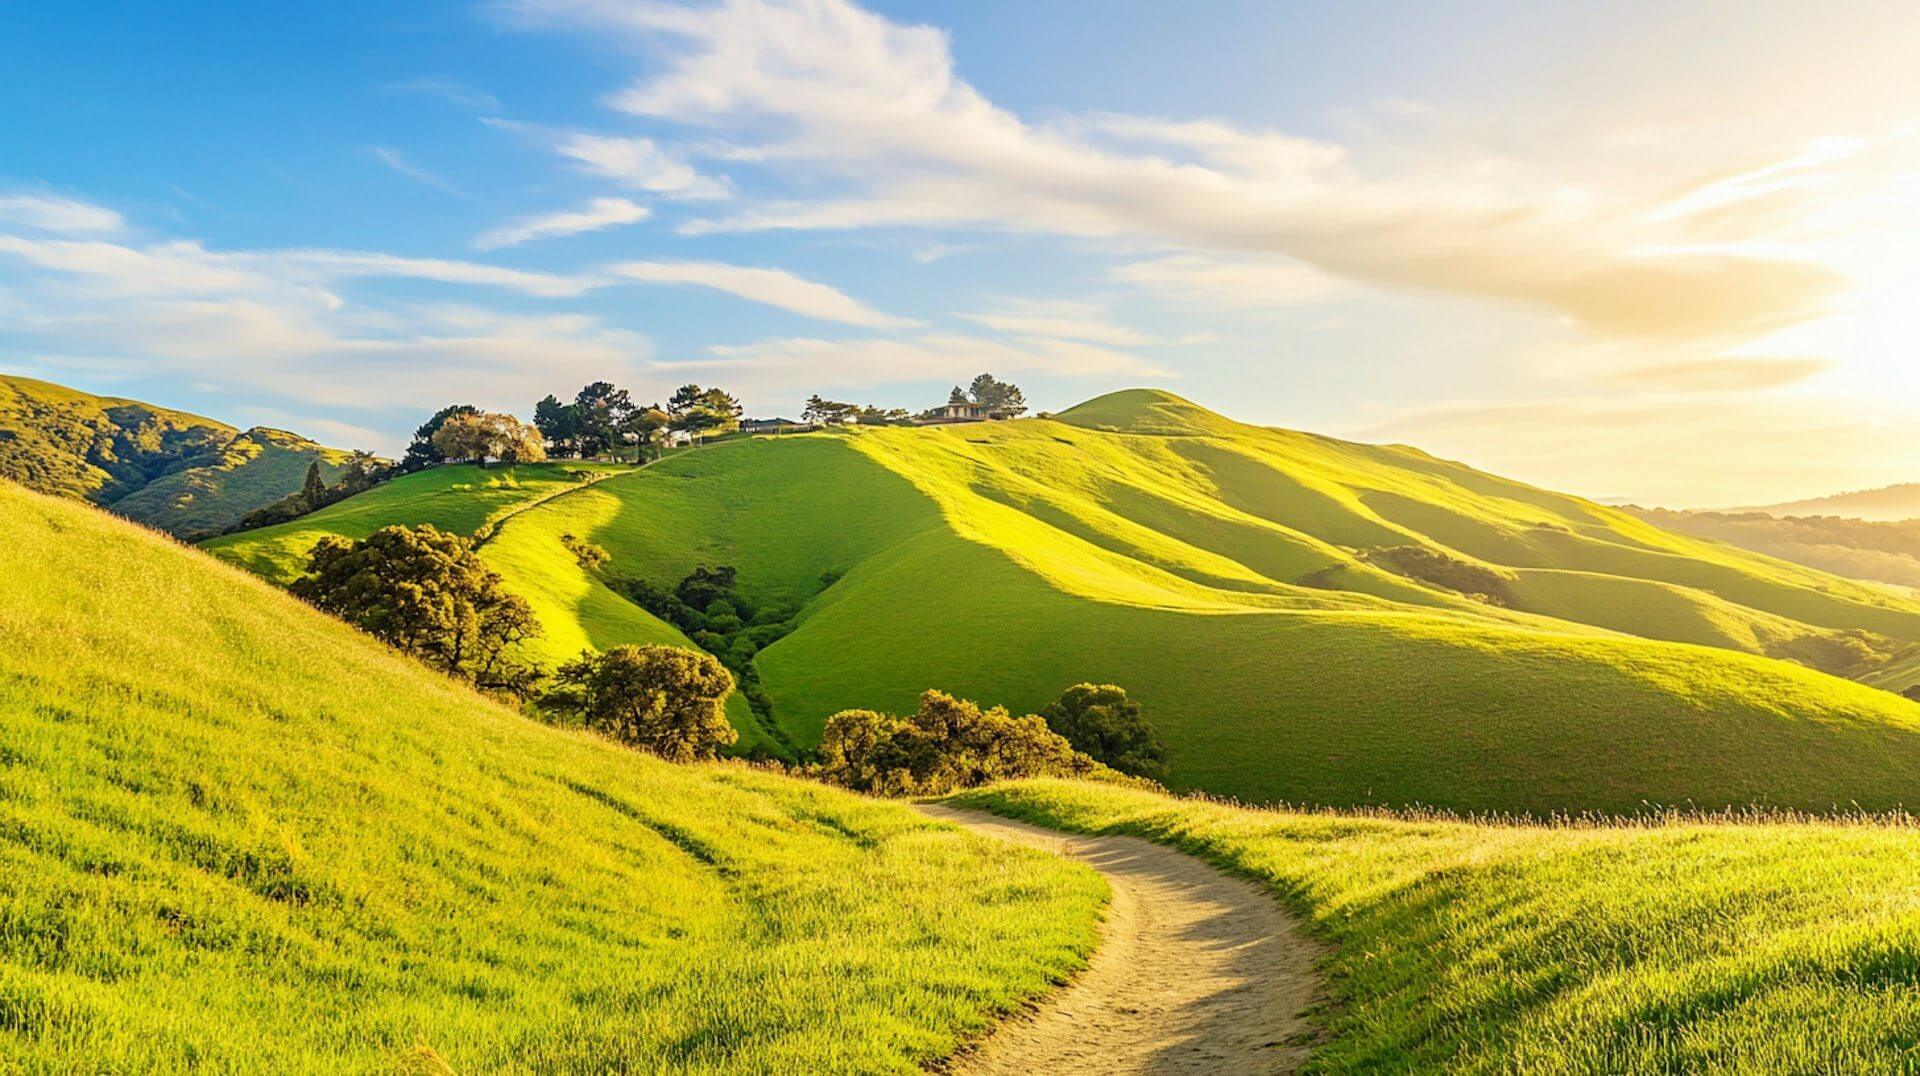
<point x="1059" y="319"/>
<point x="61" y="215"/>
<point x="598" y="213"/>
<point x="639" y="163"/>
<point x="397" y="161"/>
<point x="1250" y="283"/>
<point x="774" y="287"/>
<point x="874" y="114"/>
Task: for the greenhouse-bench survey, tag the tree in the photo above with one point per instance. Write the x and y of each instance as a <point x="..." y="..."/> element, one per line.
<point x="665" y="699"/>
<point x="874" y="416"/>
<point x="957" y="398"/>
<point x="698" y="410"/>
<point x="647" y="426"/>
<point x="601" y="408"/>
<point x="827" y="412"/>
<point x="559" y="423"/>
<point x="948" y="744"/>
<point x="490" y="436"/>
<point x="425" y="592"/>
<point x="1100" y="721"/>
<point x="313" y="492"/>
<point x="1000" y="398"/>
<point x="421" y="452"/>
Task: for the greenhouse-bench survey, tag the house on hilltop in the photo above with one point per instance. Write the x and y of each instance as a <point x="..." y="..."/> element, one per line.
<point x="954" y="411"/>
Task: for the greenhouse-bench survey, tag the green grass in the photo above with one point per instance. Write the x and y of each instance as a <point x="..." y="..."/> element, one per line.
<point x="1676" y="946"/>
<point x="238" y="835"/>
<point x="181" y="473"/>
<point x="1217" y="575"/>
<point x="458" y="498"/>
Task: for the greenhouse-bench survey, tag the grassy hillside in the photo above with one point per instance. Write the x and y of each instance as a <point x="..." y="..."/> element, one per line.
<point x="237" y="835"/>
<point x="1679" y="946"/>
<point x="187" y="475"/>
<point x="1243" y="584"/>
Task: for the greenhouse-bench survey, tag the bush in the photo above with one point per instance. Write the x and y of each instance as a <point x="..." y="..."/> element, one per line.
<point x="664" y="699"/>
<point x="948" y="744"/>
<point x="1431" y="566"/>
<point x="425" y="592"/>
<point x="1102" y="723"/>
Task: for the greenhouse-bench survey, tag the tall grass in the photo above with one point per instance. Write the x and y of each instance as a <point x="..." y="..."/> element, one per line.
<point x="237" y="835"/>
<point x="1677" y="943"/>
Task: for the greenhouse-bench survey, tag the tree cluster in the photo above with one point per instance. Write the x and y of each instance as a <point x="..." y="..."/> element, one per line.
<point x="421" y="451"/>
<point x="1001" y="399"/>
<point x="486" y="435"/>
<point x="664" y="699"/>
<point x="703" y="411"/>
<point x="834" y="413"/>
<point x="947" y="744"/>
<point x="709" y="607"/>
<point x="427" y="593"/>
<point x="1102" y="723"/>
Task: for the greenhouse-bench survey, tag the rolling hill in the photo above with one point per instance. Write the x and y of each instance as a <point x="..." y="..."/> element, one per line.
<point x="1304" y="618"/>
<point x="237" y="835"/>
<point x="1887" y="504"/>
<point x="187" y="475"/>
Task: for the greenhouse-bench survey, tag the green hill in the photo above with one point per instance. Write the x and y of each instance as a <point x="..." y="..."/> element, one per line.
<point x="187" y="475"/>
<point x="1683" y="944"/>
<point x="236" y="835"/>
<point x="1304" y="618"/>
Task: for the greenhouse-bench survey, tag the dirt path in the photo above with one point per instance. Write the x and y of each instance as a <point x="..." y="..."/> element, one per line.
<point x="1197" y="971"/>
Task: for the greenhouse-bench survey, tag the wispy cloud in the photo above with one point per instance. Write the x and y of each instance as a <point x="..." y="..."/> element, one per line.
<point x="1060" y="319"/>
<point x="773" y="287"/>
<point x="874" y="113"/>
<point x="1724" y="374"/>
<point x="1229" y="282"/>
<point x="598" y="214"/>
<point x="447" y="88"/>
<point x="62" y="215"/>
<point x="393" y="159"/>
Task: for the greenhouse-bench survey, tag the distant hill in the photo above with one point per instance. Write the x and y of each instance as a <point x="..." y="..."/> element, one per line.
<point x="1886" y="504"/>
<point x="1857" y="548"/>
<point x="184" y="474"/>
<point x="1304" y="618"/>
<point x="237" y="835"/>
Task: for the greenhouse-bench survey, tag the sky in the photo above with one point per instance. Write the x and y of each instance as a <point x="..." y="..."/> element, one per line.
<point x="1661" y="251"/>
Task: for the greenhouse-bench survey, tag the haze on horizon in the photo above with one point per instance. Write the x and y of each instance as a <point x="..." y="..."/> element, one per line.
<point x="1663" y="251"/>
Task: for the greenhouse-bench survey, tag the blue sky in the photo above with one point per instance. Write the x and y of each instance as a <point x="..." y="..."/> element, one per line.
<point x="1571" y="245"/>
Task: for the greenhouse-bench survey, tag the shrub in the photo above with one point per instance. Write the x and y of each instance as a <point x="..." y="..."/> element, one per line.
<point x="1431" y="566"/>
<point x="1102" y="723"/>
<point x="948" y="744"/>
<point x="665" y="699"/>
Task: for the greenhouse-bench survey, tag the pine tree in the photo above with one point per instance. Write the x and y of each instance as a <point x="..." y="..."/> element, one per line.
<point x="314" y="491"/>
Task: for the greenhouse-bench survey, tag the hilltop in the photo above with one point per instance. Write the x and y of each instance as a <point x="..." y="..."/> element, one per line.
<point x="236" y="834"/>
<point x="1304" y="618"/>
<point x="184" y="474"/>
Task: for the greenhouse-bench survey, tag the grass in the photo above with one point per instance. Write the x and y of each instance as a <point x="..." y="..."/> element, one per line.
<point x="235" y="834"/>
<point x="1677" y="945"/>
<point x="1217" y="574"/>
<point x="181" y="473"/>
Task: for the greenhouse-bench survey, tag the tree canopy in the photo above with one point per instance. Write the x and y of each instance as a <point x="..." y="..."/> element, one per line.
<point x="703" y="410"/>
<point x="666" y="699"/>
<point x="421" y="451"/>
<point x="1000" y="398"/>
<point x="948" y="744"/>
<point x="480" y="437"/>
<point x="427" y="593"/>
<point x="1101" y="722"/>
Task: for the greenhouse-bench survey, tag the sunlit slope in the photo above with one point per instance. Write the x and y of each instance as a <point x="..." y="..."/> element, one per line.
<point x="1006" y="561"/>
<point x="236" y="835"/>
<point x="251" y="471"/>
<point x="575" y="614"/>
<point x="459" y="498"/>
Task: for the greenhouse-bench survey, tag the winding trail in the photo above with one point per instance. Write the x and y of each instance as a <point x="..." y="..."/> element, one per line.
<point x="1196" y="972"/>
